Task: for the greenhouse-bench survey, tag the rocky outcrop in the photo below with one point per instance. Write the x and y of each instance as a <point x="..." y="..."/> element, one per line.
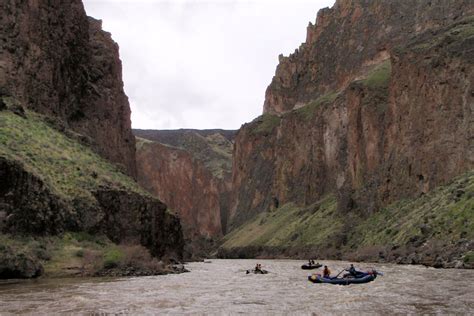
<point x="57" y="61"/>
<point x="190" y="172"/>
<point x="132" y="218"/>
<point x="348" y="39"/>
<point x="184" y="184"/>
<point x="371" y="109"/>
<point x="27" y="204"/>
<point x="18" y="265"/>
<point x="430" y="118"/>
<point x="30" y="206"/>
<point x="61" y="92"/>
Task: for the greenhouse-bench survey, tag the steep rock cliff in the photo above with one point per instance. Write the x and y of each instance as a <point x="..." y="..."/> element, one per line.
<point x="365" y="115"/>
<point x="51" y="184"/>
<point x="61" y="104"/>
<point x="57" y="61"/>
<point x="348" y="39"/>
<point x="190" y="171"/>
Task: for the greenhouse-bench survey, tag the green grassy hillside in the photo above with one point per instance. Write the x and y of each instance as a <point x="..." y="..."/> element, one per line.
<point x="69" y="168"/>
<point x="446" y="214"/>
<point x="441" y="219"/>
<point x="70" y="172"/>
<point x="288" y="226"/>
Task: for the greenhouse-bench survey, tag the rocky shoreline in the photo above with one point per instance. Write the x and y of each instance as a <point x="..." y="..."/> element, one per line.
<point x="79" y="255"/>
<point x="138" y="271"/>
<point x="443" y="257"/>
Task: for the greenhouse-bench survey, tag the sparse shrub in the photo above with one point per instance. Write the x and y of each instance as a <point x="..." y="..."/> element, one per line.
<point x="469" y="257"/>
<point x="113" y="258"/>
<point x="380" y="76"/>
<point x="139" y="257"/>
<point x="266" y="123"/>
<point x="307" y="111"/>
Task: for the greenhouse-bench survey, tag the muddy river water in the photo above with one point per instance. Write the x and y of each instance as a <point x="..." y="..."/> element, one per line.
<point x="222" y="287"/>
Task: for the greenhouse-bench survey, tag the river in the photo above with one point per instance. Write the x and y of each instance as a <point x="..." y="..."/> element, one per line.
<point x="222" y="287"/>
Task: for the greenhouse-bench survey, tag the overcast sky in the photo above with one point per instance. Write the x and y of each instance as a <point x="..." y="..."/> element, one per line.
<point x="201" y="64"/>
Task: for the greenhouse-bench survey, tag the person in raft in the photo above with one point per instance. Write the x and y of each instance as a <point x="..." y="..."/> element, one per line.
<point x="352" y="271"/>
<point x="258" y="267"/>
<point x="326" y="272"/>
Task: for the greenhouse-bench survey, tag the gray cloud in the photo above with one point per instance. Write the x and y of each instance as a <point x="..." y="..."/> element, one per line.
<point x="197" y="64"/>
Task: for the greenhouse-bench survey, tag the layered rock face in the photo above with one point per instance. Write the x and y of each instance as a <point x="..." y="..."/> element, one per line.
<point x="348" y="39"/>
<point x="57" y="61"/>
<point x="190" y="171"/>
<point x="371" y="109"/>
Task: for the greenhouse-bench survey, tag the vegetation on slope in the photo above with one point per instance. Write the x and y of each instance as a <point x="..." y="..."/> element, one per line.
<point x="80" y="254"/>
<point x="72" y="173"/>
<point x="307" y="112"/>
<point x="265" y="124"/>
<point x="213" y="149"/>
<point x="288" y="226"/>
<point x="69" y="168"/>
<point x="379" y="76"/>
<point x="444" y="216"/>
<point x="453" y="35"/>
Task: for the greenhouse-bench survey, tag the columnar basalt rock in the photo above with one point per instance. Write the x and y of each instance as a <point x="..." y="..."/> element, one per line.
<point x="190" y="170"/>
<point x="349" y="38"/>
<point x="376" y="106"/>
<point x="184" y="184"/>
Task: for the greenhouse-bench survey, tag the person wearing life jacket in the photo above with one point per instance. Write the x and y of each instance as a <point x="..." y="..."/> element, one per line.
<point x="353" y="272"/>
<point x="326" y="272"/>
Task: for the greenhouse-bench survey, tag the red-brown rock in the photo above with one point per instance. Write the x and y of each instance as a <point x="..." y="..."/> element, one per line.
<point x="348" y="39"/>
<point x="373" y="125"/>
<point x="57" y="61"/>
<point x="190" y="172"/>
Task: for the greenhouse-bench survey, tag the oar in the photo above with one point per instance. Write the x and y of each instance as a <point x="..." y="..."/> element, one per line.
<point x="340" y="272"/>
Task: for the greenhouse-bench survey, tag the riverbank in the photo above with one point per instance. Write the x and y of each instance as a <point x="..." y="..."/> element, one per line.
<point x="441" y="257"/>
<point x="223" y="287"/>
<point x="435" y="229"/>
<point x="77" y="255"/>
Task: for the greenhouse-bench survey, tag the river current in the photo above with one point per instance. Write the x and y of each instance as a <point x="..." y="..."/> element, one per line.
<point x="223" y="287"/>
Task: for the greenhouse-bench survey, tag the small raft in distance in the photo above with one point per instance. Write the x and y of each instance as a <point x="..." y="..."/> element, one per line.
<point x="310" y="267"/>
<point x="257" y="271"/>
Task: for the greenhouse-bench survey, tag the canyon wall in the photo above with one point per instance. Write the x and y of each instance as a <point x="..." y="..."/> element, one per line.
<point x="190" y="170"/>
<point x="376" y="106"/>
<point x="57" y="61"/>
<point x="67" y="152"/>
<point x="349" y="38"/>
